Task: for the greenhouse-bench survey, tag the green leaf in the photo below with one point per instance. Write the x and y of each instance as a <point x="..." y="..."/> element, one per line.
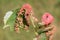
<point x="10" y="19"/>
<point x="43" y="36"/>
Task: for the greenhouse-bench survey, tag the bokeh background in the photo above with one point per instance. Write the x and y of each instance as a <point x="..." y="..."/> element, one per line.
<point x="39" y="7"/>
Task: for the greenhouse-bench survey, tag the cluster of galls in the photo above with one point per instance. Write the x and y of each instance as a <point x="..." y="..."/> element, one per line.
<point x="23" y="17"/>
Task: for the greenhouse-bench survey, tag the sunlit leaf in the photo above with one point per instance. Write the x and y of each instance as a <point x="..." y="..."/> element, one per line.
<point x="9" y="19"/>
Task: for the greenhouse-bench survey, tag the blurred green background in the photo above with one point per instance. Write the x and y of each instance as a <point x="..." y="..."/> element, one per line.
<point x="39" y="7"/>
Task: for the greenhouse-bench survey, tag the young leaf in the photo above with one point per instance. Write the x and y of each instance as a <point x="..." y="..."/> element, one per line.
<point x="9" y="19"/>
